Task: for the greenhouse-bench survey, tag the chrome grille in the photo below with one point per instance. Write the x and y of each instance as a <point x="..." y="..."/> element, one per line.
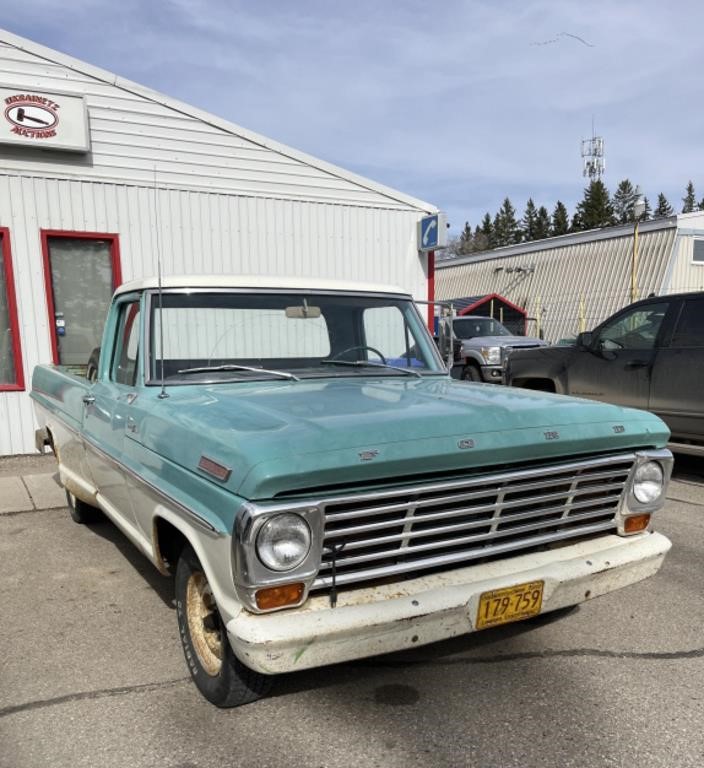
<point x="405" y="531"/>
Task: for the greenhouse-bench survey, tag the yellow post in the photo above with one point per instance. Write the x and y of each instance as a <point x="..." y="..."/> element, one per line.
<point x="491" y="309"/>
<point x="537" y="317"/>
<point x="634" y="263"/>
<point x="582" y="318"/>
<point x="501" y="315"/>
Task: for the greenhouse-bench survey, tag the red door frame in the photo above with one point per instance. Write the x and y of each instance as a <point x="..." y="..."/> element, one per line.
<point x="6" y="256"/>
<point x="114" y="240"/>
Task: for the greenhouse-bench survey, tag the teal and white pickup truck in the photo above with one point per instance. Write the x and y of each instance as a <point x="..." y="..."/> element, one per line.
<point x="297" y="456"/>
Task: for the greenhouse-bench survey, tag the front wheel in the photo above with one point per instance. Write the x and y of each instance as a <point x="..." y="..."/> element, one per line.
<point x="218" y="674"/>
<point x="471" y="373"/>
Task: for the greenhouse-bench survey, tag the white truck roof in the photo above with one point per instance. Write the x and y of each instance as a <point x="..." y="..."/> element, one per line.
<point x="257" y="282"/>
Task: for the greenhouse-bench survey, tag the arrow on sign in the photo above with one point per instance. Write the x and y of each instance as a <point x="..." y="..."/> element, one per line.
<point x="426" y="235"/>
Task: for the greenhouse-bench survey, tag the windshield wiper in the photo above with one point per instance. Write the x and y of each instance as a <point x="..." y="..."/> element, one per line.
<point x="371" y="364"/>
<point x="231" y="367"/>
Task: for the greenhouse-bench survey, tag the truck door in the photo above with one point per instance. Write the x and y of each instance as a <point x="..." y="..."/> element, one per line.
<point x="616" y="366"/>
<point x="106" y="418"/>
<point x="676" y="391"/>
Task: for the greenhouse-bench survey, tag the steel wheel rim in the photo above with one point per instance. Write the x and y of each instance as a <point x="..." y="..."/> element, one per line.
<point x="204" y="623"/>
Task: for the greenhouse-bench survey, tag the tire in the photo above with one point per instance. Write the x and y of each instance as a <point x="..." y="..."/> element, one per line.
<point x="218" y="674"/>
<point x="81" y="512"/>
<point x="471" y="373"/>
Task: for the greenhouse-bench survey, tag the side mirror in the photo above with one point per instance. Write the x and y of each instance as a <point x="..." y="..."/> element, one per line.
<point x="584" y="339"/>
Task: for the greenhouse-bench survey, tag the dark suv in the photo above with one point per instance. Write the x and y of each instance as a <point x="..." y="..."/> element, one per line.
<point x="649" y="355"/>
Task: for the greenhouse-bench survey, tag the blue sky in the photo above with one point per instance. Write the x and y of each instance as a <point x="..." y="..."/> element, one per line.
<point x="457" y="103"/>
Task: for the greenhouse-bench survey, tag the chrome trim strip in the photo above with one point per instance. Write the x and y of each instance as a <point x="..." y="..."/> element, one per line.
<point x="169" y="499"/>
<point x="461" y="557"/>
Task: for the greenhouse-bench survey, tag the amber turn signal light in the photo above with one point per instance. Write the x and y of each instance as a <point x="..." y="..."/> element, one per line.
<point x="636" y="523"/>
<point x="279" y="597"/>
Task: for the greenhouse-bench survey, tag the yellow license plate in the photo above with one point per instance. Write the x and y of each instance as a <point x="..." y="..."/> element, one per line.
<point x="510" y="604"/>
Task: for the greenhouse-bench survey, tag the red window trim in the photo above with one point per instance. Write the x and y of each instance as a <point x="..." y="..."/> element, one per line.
<point x="114" y="240"/>
<point x="6" y="256"/>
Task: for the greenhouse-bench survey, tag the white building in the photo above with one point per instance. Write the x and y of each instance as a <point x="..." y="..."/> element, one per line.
<point x="97" y="172"/>
<point x="571" y="283"/>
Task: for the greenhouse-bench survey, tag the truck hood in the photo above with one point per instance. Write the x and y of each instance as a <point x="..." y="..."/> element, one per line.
<point x="283" y="437"/>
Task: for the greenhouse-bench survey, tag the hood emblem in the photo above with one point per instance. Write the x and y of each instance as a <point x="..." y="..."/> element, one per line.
<point x="466" y="443"/>
<point x="368" y="455"/>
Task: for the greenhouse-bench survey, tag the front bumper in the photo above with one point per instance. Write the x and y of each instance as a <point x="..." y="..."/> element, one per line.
<point x="494" y="374"/>
<point x="376" y="620"/>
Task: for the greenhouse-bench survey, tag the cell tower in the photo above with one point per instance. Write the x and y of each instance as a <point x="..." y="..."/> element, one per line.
<point x="593" y="160"/>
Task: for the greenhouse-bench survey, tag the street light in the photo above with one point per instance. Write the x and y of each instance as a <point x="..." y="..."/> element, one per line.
<point x="638" y="211"/>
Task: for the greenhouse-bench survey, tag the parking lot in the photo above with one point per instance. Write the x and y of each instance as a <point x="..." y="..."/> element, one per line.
<point x="92" y="672"/>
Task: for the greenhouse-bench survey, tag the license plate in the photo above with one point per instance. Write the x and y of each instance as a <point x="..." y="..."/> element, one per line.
<point x="500" y="606"/>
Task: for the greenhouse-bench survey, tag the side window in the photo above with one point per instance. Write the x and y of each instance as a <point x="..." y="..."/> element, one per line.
<point x="690" y="326"/>
<point x="124" y="361"/>
<point x="637" y="329"/>
<point x="698" y="251"/>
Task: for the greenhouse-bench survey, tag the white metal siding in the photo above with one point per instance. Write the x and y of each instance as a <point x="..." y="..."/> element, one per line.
<point x="199" y="232"/>
<point x="685" y="274"/>
<point x="131" y="134"/>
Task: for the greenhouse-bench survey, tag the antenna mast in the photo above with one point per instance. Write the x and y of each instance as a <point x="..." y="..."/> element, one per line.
<point x="593" y="159"/>
<point x="163" y="394"/>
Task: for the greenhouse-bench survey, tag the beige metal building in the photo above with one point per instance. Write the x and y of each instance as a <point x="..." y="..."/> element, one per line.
<point x="573" y="282"/>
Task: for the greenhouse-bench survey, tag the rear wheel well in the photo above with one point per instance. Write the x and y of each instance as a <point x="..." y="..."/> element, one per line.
<point x="541" y="385"/>
<point x="168" y="543"/>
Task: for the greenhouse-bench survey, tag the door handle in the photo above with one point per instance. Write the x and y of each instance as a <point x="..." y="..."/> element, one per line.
<point x="88" y="399"/>
<point x="637" y="364"/>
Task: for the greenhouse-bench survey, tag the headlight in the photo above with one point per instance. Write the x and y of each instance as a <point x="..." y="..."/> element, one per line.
<point x="283" y="542"/>
<point x="491" y="355"/>
<point x="648" y="482"/>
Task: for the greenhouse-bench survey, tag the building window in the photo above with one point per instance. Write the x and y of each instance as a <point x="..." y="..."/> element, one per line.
<point x="11" y="376"/>
<point x="81" y="270"/>
<point x="698" y="255"/>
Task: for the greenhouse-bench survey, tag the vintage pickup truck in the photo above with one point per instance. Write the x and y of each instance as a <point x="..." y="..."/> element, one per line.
<point x="298" y="457"/>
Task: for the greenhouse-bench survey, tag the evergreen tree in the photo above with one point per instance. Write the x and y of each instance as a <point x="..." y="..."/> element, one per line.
<point x="689" y="200"/>
<point x="624" y="201"/>
<point x="648" y="211"/>
<point x="595" y="209"/>
<point x="488" y="230"/>
<point x="701" y="204"/>
<point x="576" y="223"/>
<point x="480" y="242"/>
<point x="465" y="243"/>
<point x="560" y="224"/>
<point x="528" y="221"/>
<point x="542" y="223"/>
<point x="506" y="230"/>
<point x="663" y="208"/>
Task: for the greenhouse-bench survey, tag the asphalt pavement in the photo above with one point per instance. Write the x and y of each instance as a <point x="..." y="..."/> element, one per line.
<point x="92" y="672"/>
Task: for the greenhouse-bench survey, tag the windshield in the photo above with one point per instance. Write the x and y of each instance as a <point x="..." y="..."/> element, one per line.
<point x="220" y="336"/>
<point x="469" y="327"/>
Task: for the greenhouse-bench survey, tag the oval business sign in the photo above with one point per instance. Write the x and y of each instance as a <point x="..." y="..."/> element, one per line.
<point x="32" y="119"/>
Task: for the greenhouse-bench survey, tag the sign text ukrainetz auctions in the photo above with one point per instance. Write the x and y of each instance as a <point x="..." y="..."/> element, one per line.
<point x="43" y="119"/>
<point x="32" y="116"/>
